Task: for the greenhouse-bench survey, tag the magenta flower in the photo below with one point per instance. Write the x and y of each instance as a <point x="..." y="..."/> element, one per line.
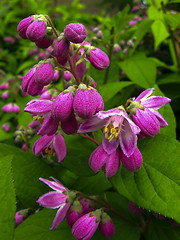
<point x="101" y="159"/>
<point x="70" y="126"/>
<point x="60" y="198"/>
<point x="132" y="163"/>
<point x="134" y="209"/>
<point x="118" y="128"/>
<point x="45" y="42"/>
<point x="98" y="58"/>
<point x="74" y="212"/>
<point x="87" y="101"/>
<point x="23" y="25"/>
<point x="61" y="48"/>
<point x="19" y="217"/>
<point x="144" y="112"/>
<point x="107" y="226"/>
<point x="88" y="205"/>
<point x="52" y="145"/>
<point x="42" y="109"/>
<point x="36" y="30"/>
<point x="75" y="32"/>
<point x="85" y="227"/>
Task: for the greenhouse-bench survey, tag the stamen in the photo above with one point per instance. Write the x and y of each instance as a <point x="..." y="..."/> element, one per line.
<point x="105" y="130"/>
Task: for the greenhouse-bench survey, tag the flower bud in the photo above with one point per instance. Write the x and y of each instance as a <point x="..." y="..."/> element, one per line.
<point x="24" y="147"/>
<point x="63" y="106"/>
<point x="85" y="226"/>
<point x="8" y="108"/>
<point x="5" y="95"/>
<point x="70" y="126"/>
<point x="16" y="108"/>
<point x="29" y="85"/>
<point x="85" y="101"/>
<point x="36" y="30"/>
<point x="61" y="48"/>
<point x="74" y="213"/>
<point x="67" y="76"/>
<point x="88" y="205"/>
<point x="44" y="73"/>
<point x="23" y="25"/>
<point x="45" y="42"/>
<point x="75" y="32"/>
<point x="107" y="226"/>
<point x="6" y="127"/>
<point x="98" y="59"/>
<point x="99" y="35"/>
<point x="132" y="163"/>
<point x="116" y="48"/>
<point x="135" y="209"/>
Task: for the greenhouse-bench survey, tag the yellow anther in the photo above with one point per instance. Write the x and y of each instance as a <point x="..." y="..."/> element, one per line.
<point x="40" y="119"/>
<point x="113" y="130"/>
<point x="54" y="154"/>
<point x="106" y="135"/>
<point x="50" y="152"/>
<point x="46" y="150"/>
<point x="105" y="130"/>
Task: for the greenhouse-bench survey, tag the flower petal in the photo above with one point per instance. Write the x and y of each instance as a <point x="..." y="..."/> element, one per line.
<point x="113" y="163"/>
<point x="52" y="200"/>
<point x="92" y="124"/>
<point x="39" y="107"/>
<point x="54" y="185"/>
<point x="109" y="113"/>
<point x="156" y="102"/>
<point x="49" y="126"/>
<point x="41" y="144"/>
<point x="134" y="127"/>
<point x="109" y="146"/>
<point x="128" y="140"/>
<point x="97" y="158"/>
<point x="60" y="147"/>
<point x="145" y="94"/>
<point x="60" y="215"/>
<point x="160" y="118"/>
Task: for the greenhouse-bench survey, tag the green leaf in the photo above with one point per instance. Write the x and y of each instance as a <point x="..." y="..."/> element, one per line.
<point x="140" y="69"/>
<point x="78" y="153"/>
<point x="159" y="229"/>
<point x="108" y="90"/>
<point x="160" y="32"/>
<point x="7" y="200"/>
<point x="88" y="185"/>
<point x="37" y="226"/>
<point x="156" y="186"/>
<point x="167" y="113"/>
<point x="142" y="28"/>
<point x="173" y="20"/>
<point x="25" y="65"/>
<point x="169" y="78"/>
<point x="27" y="169"/>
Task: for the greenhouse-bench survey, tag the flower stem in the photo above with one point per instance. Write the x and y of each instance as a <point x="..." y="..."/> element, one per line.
<point x="53" y="28"/>
<point x="73" y="70"/>
<point x="88" y="137"/>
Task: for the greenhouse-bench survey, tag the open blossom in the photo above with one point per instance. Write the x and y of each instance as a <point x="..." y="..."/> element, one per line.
<point x="53" y="145"/>
<point x="118" y="128"/>
<point x="60" y="198"/>
<point x="145" y="115"/>
<point x="42" y="110"/>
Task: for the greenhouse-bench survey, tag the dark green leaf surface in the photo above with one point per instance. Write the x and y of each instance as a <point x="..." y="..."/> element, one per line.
<point x="7" y="199"/>
<point x="156" y="186"/>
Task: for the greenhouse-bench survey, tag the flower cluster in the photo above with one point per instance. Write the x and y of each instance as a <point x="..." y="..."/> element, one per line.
<point x="81" y="214"/>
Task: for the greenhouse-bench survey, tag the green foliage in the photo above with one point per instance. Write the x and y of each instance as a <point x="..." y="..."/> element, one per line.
<point x="8" y="198"/>
<point x="155" y="186"/>
<point x="140" y="69"/>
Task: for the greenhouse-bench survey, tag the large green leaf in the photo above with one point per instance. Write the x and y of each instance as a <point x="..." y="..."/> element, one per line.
<point x="140" y="69"/>
<point x="27" y="169"/>
<point x="7" y="200"/>
<point x="108" y="90"/>
<point x="36" y="227"/>
<point x="156" y="186"/>
<point x="173" y="20"/>
<point x="159" y="31"/>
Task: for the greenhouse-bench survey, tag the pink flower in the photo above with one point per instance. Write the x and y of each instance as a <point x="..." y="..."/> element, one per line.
<point x="107" y="226"/>
<point x="36" y="30"/>
<point x="85" y="227"/>
<point x="144" y="112"/>
<point x="118" y="128"/>
<point x="60" y="198"/>
<point x="42" y="109"/>
<point x="74" y="212"/>
<point x="98" y="58"/>
<point x="23" y="25"/>
<point x="52" y="145"/>
<point x="135" y="209"/>
<point x="132" y="163"/>
<point x="75" y="32"/>
<point x="100" y="159"/>
<point x="61" y="48"/>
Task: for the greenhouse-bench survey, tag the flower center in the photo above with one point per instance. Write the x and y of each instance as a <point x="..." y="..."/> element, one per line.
<point x="50" y="150"/>
<point x="111" y="132"/>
